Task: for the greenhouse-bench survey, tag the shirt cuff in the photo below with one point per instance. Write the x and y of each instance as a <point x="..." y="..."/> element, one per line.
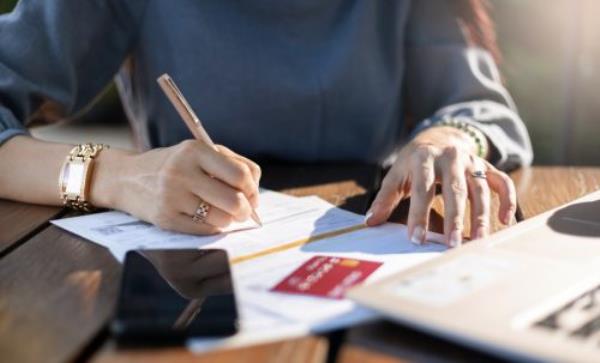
<point x="7" y="134"/>
<point x="10" y="126"/>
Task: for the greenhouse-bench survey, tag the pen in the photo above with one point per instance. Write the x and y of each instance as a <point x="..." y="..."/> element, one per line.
<point x="189" y="117"/>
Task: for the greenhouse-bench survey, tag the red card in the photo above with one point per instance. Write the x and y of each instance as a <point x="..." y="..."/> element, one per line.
<point x="326" y="276"/>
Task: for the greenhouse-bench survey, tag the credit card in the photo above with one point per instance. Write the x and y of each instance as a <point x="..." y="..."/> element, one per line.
<point x="326" y="276"/>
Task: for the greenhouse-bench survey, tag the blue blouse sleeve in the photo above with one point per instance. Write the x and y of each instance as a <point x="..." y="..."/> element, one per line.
<point x="58" y="55"/>
<point x="446" y="77"/>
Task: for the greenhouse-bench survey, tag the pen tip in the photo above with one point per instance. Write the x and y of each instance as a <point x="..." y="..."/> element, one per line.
<point x="256" y="218"/>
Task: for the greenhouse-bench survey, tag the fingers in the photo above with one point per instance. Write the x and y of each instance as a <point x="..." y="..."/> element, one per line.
<point x="232" y="172"/>
<point x="421" y="196"/>
<point x="216" y="217"/>
<point x="454" y="191"/>
<point x="479" y="195"/>
<point x="222" y="196"/>
<point x="388" y="197"/>
<point x="213" y="191"/>
<point x="503" y="185"/>
<point x="255" y="170"/>
<point x="183" y="175"/>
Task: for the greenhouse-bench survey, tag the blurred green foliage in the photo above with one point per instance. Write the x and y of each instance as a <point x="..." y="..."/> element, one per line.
<point x="7" y="5"/>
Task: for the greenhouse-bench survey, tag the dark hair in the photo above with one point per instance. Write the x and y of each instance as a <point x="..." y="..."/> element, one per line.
<point x="479" y="26"/>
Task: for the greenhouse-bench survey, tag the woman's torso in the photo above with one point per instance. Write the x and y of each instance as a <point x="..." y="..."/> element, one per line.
<point x="300" y="80"/>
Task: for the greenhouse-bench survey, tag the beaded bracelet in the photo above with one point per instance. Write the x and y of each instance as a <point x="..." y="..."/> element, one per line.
<point x="472" y="131"/>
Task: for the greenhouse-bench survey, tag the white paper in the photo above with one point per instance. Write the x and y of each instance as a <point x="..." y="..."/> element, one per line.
<point x="265" y="315"/>
<point x="268" y="316"/>
<point x="285" y="219"/>
<point x="382" y="244"/>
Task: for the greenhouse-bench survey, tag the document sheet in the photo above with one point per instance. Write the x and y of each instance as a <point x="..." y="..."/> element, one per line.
<point x="294" y="230"/>
<point x="285" y="219"/>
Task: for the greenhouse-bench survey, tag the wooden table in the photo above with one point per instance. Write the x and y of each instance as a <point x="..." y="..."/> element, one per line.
<point x="57" y="291"/>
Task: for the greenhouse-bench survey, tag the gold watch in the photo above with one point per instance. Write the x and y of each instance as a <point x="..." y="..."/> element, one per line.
<point x="75" y="176"/>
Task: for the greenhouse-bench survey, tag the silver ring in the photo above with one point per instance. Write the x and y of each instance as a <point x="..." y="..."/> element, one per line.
<point x="201" y="212"/>
<point x="479" y="174"/>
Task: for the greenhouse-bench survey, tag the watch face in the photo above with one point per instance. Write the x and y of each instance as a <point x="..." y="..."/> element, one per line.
<point x="73" y="175"/>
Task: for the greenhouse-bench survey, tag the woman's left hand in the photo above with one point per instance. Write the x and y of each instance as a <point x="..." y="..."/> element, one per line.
<point x="443" y="155"/>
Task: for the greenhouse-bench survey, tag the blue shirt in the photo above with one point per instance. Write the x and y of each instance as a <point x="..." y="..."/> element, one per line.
<point x="298" y="79"/>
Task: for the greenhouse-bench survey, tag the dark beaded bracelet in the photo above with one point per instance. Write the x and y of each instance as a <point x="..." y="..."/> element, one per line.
<point x="472" y="131"/>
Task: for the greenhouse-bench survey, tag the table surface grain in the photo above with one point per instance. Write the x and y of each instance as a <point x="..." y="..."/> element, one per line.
<point x="18" y="221"/>
<point x="57" y="291"/>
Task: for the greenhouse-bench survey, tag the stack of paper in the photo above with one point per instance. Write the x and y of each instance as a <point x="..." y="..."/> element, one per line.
<point x="294" y="230"/>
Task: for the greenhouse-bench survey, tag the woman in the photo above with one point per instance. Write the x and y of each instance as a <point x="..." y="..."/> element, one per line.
<point x="301" y="80"/>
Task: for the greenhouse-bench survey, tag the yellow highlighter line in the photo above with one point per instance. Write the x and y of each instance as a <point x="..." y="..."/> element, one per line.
<point x="300" y="242"/>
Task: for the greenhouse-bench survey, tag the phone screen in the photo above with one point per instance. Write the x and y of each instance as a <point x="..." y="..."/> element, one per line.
<point x="170" y="295"/>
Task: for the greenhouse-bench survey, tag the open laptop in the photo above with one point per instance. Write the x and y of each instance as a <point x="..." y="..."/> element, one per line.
<point x="530" y="292"/>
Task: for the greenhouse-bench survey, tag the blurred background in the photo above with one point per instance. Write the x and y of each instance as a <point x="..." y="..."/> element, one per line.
<point x="551" y="64"/>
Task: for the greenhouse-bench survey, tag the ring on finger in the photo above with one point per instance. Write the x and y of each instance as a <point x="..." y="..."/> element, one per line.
<point x="478" y="174"/>
<point x="201" y="212"/>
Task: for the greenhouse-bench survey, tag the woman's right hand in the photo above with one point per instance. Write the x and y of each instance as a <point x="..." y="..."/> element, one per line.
<point x="164" y="186"/>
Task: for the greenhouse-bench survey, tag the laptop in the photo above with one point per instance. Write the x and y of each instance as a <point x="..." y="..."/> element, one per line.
<point x="529" y="292"/>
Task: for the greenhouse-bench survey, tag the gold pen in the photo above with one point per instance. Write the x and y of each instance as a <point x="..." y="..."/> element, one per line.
<point x="189" y="117"/>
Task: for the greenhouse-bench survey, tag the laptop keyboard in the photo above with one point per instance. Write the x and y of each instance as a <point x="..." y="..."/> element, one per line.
<point x="578" y="319"/>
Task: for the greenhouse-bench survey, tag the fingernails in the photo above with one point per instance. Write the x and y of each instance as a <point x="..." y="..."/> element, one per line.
<point x="368" y="216"/>
<point x="480" y="233"/>
<point x="508" y="216"/>
<point x="418" y="235"/>
<point x="455" y="238"/>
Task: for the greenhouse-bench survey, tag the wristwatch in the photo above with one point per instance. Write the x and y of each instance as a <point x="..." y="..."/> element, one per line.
<point x="75" y="176"/>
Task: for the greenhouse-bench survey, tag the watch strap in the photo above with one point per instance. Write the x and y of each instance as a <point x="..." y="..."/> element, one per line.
<point x="84" y="153"/>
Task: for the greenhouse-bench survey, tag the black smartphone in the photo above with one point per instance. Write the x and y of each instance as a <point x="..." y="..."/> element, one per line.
<point x="170" y="295"/>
